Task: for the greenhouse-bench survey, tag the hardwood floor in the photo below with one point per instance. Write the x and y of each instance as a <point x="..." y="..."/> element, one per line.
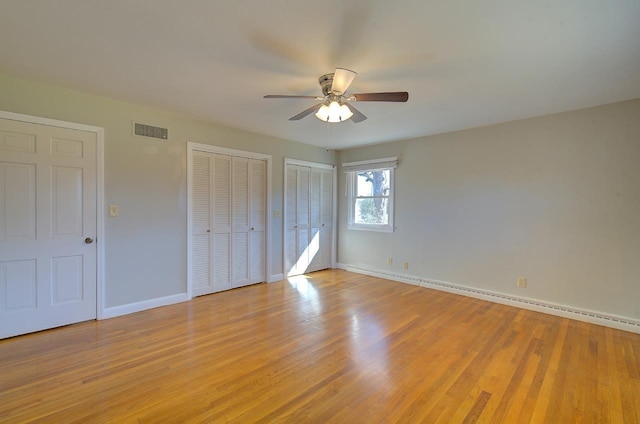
<point x="332" y="347"/>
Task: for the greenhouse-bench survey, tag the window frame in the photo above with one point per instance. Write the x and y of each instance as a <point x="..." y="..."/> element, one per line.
<point x="352" y="170"/>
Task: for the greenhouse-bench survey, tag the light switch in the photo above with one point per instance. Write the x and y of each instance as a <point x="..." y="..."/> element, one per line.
<point x="114" y="210"/>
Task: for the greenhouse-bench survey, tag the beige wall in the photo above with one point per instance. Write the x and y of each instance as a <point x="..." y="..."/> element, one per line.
<point x="555" y="199"/>
<point x="146" y="245"/>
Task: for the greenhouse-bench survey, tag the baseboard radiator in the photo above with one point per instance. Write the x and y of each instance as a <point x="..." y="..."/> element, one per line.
<point x="621" y="323"/>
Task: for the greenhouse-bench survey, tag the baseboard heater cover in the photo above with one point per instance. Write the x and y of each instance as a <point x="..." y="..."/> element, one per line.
<point x="593" y="317"/>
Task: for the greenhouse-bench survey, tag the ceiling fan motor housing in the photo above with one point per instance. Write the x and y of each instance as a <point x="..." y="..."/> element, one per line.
<point x="326" y="81"/>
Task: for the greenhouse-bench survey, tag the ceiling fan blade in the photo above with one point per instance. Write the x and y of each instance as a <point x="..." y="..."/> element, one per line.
<point x="285" y="96"/>
<point x="304" y="113"/>
<point x="342" y="79"/>
<point x="357" y="115"/>
<point x="396" y="96"/>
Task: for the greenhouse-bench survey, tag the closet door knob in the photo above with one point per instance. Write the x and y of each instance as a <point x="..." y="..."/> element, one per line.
<point x="88" y="240"/>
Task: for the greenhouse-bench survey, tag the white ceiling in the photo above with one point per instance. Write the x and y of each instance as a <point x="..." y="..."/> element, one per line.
<point x="465" y="63"/>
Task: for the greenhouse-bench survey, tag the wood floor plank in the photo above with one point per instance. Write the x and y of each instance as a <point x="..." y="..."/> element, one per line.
<point x="332" y="346"/>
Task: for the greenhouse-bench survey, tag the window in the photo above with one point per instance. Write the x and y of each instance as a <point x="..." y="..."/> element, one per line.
<point x="370" y="194"/>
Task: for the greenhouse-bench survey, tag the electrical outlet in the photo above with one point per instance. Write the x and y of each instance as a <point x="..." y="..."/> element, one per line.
<point x="389" y="261"/>
<point x="521" y="282"/>
<point x="405" y="265"/>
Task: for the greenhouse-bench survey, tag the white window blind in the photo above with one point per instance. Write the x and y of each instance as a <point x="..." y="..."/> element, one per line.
<point x="370" y="165"/>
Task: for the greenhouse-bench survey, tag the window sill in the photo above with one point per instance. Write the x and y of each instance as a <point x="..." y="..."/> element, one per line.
<point x="377" y="229"/>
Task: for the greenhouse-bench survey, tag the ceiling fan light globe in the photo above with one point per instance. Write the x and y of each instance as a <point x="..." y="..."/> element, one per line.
<point x="323" y="113"/>
<point x="345" y="112"/>
<point x="334" y="112"/>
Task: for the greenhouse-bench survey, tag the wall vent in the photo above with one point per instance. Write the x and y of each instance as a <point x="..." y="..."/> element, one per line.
<point x="150" y="131"/>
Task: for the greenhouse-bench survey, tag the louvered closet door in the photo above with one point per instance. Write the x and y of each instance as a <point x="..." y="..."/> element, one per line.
<point x="211" y="235"/>
<point x="248" y="221"/>
<point x="291" y="219"/>
<point x="321" y="209"/>
<point x="229" y="198"/>
<point x="221" y="224"/>
<point x="298" y="216"/>
<point x="257" y="214"/>
<point x="309" y="217"/>
<point x="240" y="222"/>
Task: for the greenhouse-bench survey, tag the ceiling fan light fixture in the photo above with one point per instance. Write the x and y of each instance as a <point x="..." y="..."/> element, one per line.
<point x="334" y="112"/>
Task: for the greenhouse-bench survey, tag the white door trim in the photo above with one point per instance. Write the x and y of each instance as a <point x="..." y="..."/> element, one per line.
<point x="191" y="148"/>
<point x="334" y="217"/>
<point x="100" y="236"/>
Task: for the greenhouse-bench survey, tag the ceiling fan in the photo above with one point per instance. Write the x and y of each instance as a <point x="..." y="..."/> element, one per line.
<point x="334" y="106"/>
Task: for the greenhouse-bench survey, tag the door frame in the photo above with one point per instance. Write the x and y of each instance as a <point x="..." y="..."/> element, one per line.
<point x="208" y="148"/>
<point x="100" y="233"/>
<point x="334" y="211"/>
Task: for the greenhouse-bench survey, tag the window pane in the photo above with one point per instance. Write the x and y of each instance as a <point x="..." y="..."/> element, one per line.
<point x="373" y="183"/>
<point x="371" y="211"/>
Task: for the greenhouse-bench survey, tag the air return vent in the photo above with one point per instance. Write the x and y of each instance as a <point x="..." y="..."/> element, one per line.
<point x="150" y="131"/>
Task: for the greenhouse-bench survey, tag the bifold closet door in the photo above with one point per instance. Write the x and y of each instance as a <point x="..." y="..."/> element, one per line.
<point x="211" y="223"/>
<point x="321" y="212"/>
<point x="248" y="221"/>
<point x="228" y="230"/>
<point x="257" y="220"/>
<point x="297" y="220"/>
<point x="309" y="218"/>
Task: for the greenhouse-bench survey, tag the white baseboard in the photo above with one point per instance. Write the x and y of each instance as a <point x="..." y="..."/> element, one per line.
<point x="593" y="317"/>
<point x="142" y="306"/>
<point x="276" y="277"/>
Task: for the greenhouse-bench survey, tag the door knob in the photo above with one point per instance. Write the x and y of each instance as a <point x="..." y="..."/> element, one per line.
<point x="251" y="228"/>
<point x="88" y="240"/>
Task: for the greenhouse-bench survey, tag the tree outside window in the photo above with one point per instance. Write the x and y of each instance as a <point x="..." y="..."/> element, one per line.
<point x="370" y="199"/>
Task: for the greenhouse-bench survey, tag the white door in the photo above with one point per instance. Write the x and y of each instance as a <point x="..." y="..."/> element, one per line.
<point x="321" y="197"/>
<point x="308" y="219"/>
<point x="297" y="220"/>
<point x="228" y="222"/>
<point x="257" y="224"/>
<point x="248" y="221"/>
<point x="47" y="227"/>
<point x="211" y="223"/>
<point x="240" y="222"/>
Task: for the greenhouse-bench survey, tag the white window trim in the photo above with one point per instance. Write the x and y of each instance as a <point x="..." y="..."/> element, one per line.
<point x="351" y="169"/>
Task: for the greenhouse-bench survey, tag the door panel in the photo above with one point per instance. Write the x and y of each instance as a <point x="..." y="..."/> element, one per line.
<point x="257" y="229"/>
<point x="201" y="254"/>
<point x="220" y="261"/>
<point x="66" y="273"/>
<point x="47" y="209"/>
<point x="201" y="224"/>
<point x="18" y="283"/>
<point x="18" y="202"/>
<point x="240" y="218"/>
<point x="66" y="202"/>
